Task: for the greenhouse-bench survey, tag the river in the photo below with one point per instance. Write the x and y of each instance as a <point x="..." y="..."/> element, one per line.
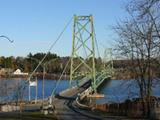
<point x="113" y="90"/>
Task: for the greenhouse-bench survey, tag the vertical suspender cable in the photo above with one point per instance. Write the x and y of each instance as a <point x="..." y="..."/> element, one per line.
<point x="96" y="42"/>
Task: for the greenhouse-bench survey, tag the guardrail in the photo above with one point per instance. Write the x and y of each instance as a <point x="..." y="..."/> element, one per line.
<point x="100" y="78"/>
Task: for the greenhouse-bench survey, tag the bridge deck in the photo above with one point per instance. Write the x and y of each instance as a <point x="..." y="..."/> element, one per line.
<point x="67" y="109"/>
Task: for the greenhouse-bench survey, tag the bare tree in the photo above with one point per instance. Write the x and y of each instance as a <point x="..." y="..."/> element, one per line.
<point x="19" y="93"/>
<point x="138" y="40"/>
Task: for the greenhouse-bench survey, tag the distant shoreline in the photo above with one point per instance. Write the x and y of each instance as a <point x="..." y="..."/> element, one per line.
<point x="118" y="75"/>
<point x="39" y="76"/>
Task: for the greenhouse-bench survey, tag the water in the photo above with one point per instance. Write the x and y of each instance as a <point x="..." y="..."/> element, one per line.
<point x="49" y="85"/>
<point x="114" y="90"/>
<point x="9" y="89"/>
<point x="120" y="90"/>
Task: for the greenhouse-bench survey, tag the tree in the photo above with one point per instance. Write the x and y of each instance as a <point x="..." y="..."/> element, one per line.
<point x="138" y="41"/>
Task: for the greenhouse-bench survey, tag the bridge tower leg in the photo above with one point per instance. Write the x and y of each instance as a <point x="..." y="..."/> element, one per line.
<point x="83" y="49"/>
<point x="108" y="61"/>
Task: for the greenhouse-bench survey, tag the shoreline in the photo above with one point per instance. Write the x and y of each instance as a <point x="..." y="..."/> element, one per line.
<point x="55" y="77"/>
<point x="39" y="76"/>
<point x="22" y="78"/>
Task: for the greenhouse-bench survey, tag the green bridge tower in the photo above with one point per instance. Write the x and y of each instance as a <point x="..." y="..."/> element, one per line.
<point x="83" y="49"/>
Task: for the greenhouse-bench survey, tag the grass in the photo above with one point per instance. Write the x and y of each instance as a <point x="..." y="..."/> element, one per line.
<point x="27" y="116"/>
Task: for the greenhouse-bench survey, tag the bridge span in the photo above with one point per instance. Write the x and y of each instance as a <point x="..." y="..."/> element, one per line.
<point x="68" y="104"/>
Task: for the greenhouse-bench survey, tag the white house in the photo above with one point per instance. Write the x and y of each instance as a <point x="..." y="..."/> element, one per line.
<point x="19" y="72"/>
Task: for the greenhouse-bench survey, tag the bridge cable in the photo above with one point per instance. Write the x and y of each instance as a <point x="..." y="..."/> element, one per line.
<point x="51" y="47"/>
<point x="96" y="42"/>
<point x="57" y="83"/>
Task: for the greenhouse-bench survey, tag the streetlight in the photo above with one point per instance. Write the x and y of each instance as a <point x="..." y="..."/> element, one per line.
<point x="3" y="36"/>
<point x="7" y="38"/>
<point x="44" y="71"/>
<point x="29" y="89"/>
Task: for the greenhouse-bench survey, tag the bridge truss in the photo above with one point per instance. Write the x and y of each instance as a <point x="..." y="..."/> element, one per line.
<point x="83" y="49"/>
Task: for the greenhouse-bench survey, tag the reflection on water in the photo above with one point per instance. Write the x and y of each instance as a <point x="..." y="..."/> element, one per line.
<point x="114" y="90"/>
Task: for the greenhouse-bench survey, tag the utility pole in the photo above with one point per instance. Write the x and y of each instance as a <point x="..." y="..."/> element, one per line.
<point x="43" y="82"/>
<point x="108" y="60"/>
<point x="11" y="41"/>
<point x="36" y="90"/>
<point x="29" y="90"/>
<point x="29" y="80"/>
<point x="44" y="71"/>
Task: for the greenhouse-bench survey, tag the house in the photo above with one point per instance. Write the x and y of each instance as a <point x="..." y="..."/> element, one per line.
<point x="19" y="72"/>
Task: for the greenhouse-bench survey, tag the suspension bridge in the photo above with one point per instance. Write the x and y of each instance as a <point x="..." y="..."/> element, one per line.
<point x="82" y="68"/>
<point x="84" y="43"/>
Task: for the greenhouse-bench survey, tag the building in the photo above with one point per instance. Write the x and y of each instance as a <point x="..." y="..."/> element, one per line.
<point x="19" y="72"/>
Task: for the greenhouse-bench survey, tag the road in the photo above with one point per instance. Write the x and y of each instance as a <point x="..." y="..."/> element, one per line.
<point x="66" y="108"/>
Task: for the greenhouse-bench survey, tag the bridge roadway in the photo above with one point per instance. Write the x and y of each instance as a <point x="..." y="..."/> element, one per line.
<point x="67" y="109"/>
<point x="66" y="106"/>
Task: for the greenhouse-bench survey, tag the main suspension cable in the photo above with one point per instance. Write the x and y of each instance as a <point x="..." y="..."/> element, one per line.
<point x="57" y="83"/>
<point x="51" y="48"/>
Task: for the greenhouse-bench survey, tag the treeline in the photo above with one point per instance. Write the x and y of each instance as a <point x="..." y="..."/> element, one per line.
<point x="55" y="64"/>
<point x="26" y="64"/>
<point x="52" y="63"/>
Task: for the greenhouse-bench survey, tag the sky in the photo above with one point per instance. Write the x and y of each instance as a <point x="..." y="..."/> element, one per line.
<point x="35" y="24"/>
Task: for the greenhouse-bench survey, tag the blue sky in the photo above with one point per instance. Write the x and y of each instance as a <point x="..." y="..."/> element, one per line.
<point x="35" y="24"/>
